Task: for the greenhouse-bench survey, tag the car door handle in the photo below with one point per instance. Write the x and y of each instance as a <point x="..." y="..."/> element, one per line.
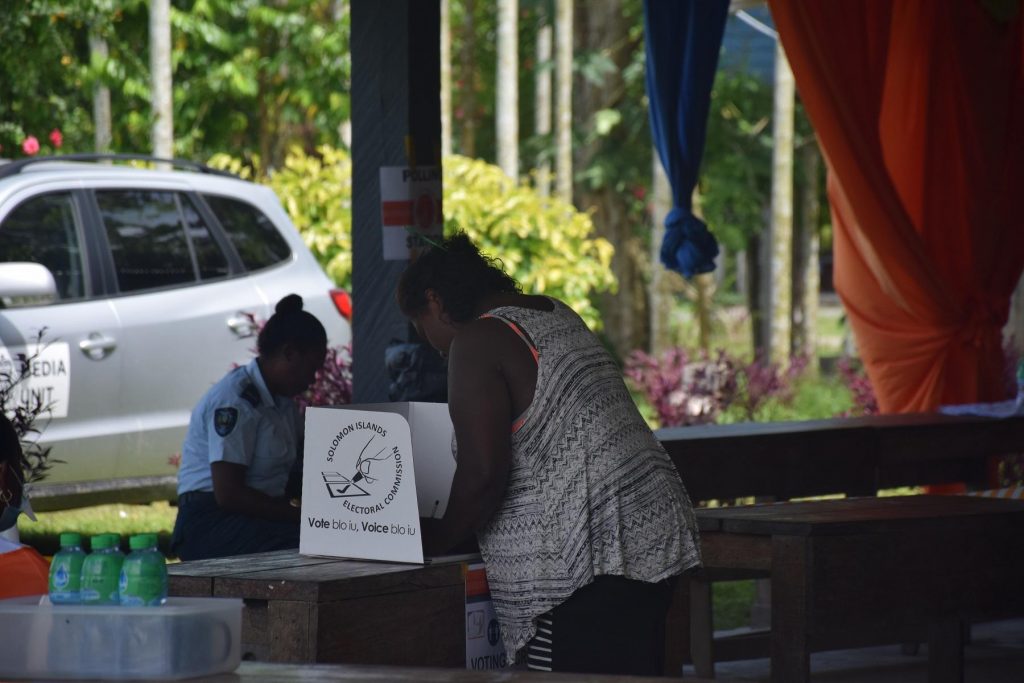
<point x="242" y="325"/>
<point x="97" y="346"/>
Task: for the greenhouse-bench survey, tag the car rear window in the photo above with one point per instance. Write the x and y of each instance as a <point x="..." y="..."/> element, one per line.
<point x="254" y="236"/>
<point x="44" y="230"/>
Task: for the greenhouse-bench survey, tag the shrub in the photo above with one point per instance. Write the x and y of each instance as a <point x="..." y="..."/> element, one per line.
<point x="545" y="244"/>
<point x="706" y="389"/>
<point x="333" y="383"/>
<point x="856" y="380"/>
<point x="683" y="392"/>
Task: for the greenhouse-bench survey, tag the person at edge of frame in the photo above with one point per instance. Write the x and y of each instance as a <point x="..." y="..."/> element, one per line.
<point x="23" y="571"/>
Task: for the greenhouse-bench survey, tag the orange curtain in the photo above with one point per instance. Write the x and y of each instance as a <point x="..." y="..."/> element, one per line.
<point x="919" y="110"/>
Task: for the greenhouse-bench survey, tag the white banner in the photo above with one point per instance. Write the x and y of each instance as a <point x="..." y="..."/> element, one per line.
<point x="48" y="376"/>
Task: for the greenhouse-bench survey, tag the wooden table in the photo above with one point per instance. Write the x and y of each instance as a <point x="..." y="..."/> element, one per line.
<point x="314" y="609"/>
<point x="866" y="571"/>
<point x="856" y="456"/>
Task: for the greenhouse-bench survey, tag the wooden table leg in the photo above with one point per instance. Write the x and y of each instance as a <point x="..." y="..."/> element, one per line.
<point x="792" y="593"/>
<point x="702" y="634"/>
<point x="946" y="651"/>
<point x="677" y="629"/>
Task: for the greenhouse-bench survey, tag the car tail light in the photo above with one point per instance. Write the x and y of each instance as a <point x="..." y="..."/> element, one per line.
<point x="343" y="302"/>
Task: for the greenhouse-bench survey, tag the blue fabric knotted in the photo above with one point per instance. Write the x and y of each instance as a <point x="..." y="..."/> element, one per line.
<point x="688" y="246"/>
<point x="683" y="39"/>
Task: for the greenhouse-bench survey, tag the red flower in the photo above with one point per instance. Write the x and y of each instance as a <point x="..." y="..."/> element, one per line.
<point x="56" y="138"/>
<point x="30" y="146"/>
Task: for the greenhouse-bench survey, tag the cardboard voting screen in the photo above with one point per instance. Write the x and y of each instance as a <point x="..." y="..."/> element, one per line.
<point x="370" y="471"/>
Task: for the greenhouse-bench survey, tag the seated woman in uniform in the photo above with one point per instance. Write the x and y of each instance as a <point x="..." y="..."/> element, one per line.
<point x="580" y="516"/>
<point x="242" y="441"/>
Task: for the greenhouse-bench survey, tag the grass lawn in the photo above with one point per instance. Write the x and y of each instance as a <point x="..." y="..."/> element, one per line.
<point x="126" y="520"/>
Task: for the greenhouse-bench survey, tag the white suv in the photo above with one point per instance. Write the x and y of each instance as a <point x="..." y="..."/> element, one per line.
<point x="145" y="283"/>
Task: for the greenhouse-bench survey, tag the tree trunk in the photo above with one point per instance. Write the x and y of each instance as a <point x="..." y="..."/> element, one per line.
<point x="805" y="258"/>
<point x="101" y="115"/>
<point x="160" y="77"/>
<point x="506" y="113"/>
<point x="782" y="209"/>
<point x="542" y="107"/>
<point x="758" y="291"/>
<point x="705" y="290"/>
<point x="467" y="67"/>
<point x="599" y="27"/>
<point x="664" y="282"/>
<point x="564" y="31"/>
<point x="446" y="80"/>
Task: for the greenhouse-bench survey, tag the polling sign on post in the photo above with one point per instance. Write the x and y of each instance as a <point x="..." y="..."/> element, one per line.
<point x="370" y="472"/>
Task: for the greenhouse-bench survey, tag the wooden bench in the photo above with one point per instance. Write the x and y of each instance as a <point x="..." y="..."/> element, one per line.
<point x="866" y="571"/>
<point x="315" y="609"/>
<point x="261" y="672"/>
<point x="781" y="461"/>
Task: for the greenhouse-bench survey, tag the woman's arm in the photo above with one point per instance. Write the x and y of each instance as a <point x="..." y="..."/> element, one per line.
<point x="480" y="406"/>
<point x="233" y="495"/>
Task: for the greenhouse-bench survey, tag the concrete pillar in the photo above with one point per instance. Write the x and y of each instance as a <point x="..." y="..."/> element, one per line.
<point x="396" y="121"/>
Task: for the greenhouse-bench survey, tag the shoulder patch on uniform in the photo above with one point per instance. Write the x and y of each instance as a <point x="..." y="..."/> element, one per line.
<point x="251" y="394"/>
<point x="224" y="420"/>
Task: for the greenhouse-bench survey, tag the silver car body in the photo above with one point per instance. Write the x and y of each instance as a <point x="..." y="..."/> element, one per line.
<point x="125" y="369"/>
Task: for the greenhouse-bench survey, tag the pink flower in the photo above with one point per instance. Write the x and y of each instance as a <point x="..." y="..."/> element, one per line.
<point x="56" y="138"/>
<point x="30" y="146"/>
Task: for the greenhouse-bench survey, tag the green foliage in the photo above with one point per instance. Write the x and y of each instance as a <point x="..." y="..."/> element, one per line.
<point x="317" y="193"/>
<point x="251" y="77"/>
<point x="260" y="77"/>
<point x="735" y="179"/>
<point x="732" y="600"/>
<point x="545" y="244"/>
<point x="814" y="398"/>
<point x="41" y="88"/>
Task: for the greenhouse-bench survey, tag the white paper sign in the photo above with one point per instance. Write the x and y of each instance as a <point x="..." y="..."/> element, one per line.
<point x="48" y="377"/>
<point x="359" y="487"/>
<point x="484" y="647"/>
<point x="410" y="204"/>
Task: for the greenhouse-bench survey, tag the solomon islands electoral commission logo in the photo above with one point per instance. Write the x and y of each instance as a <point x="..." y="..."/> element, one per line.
<point x="368" y="468"/>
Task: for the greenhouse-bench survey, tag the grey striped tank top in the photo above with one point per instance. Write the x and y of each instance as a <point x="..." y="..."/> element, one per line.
<point x="590" y="491"/>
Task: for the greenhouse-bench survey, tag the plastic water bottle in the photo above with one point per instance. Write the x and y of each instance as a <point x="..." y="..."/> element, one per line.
<point x="143" y="574"/>
<point x="101" y="571"/>
<point x="66" y="570"/>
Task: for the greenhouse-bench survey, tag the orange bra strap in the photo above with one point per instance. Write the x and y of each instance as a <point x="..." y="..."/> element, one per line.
<point x="515" y="328"/>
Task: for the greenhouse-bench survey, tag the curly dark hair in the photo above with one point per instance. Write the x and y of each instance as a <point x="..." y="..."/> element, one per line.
<point x="460" y="275"/>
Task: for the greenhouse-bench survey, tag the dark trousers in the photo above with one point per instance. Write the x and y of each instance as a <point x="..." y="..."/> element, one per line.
<point x="203" y="530"/>
<point x="611" y="626"/>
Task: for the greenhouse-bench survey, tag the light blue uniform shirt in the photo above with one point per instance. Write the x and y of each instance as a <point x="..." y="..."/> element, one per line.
<point x="239" y="421"/>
